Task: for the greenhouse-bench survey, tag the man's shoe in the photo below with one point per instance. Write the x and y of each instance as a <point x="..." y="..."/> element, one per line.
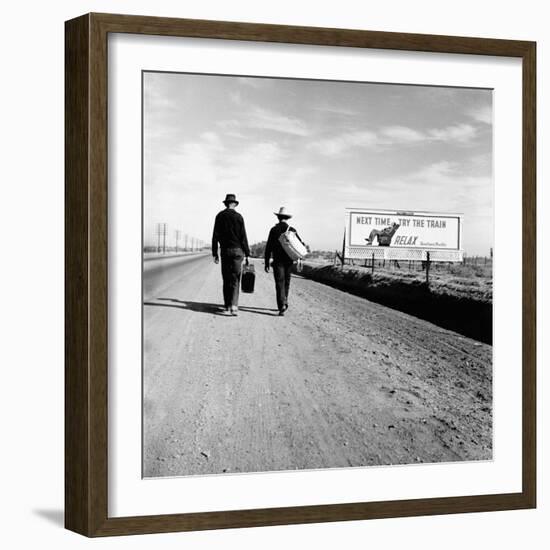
<point x="281" y="313"/>
<point x="234" y="311"/>
<point x="285" y="307"/>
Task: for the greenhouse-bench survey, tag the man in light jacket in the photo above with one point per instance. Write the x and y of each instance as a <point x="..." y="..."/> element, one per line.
<point x="282" y="263"/>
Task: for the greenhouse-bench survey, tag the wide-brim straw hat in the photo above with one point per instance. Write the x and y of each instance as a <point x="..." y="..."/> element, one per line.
<point x="283" y="213"/>
<point x="230" y="198"/>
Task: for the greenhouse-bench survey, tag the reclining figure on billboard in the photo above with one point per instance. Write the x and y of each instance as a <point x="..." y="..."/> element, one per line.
<point x="384" y="236"/>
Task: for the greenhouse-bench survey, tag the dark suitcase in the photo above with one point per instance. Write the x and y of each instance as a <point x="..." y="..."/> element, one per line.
<point x="248" y="279"/>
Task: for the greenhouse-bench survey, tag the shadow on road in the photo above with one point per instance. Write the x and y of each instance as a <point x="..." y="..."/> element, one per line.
<point x="203" y="307"/>
<point x="259" y="310"/>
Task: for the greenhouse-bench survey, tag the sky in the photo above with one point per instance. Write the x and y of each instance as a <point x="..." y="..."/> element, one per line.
<point x="315" y="147"/>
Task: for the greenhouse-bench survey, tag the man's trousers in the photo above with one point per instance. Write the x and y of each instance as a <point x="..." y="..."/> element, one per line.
<point x="282" y="273"/>
<point x="231" y="260"/>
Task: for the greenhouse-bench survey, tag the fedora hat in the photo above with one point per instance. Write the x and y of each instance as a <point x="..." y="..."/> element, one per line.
<point x="230" y="198"/>
<point x="283" y="213"/>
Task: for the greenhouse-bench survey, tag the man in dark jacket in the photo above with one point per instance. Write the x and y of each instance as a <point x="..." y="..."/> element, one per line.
<point x="282" y="264"/>
<point x="230" y="233"/>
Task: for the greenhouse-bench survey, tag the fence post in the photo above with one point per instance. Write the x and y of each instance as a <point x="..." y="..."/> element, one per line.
<point x="427" y="268"/>
<point x="372" y="264"/>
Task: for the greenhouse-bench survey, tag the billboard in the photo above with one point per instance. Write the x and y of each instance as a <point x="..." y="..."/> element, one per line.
<point x="403" y="234"/>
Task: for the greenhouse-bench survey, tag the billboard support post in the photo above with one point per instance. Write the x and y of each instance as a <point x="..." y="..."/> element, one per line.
<point x="427" y="268"/>
<point x="344" y="249"/>
<point x="372" y="264"/>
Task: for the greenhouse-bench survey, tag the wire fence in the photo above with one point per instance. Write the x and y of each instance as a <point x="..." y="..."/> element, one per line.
<point x="469" y="266"/>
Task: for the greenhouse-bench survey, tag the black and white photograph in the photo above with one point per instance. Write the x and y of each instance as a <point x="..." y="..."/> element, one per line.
<point x="317" y="274"/>
<point x="275" y="275"/>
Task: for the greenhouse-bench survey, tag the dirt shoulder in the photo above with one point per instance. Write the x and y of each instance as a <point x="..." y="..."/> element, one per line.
<point x="459" y="303"/>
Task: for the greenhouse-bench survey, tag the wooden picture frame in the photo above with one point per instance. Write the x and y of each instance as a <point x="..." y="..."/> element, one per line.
<point x="86" y="360"/>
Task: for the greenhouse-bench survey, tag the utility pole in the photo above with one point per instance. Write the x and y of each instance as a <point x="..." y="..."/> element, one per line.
<point x="161" y="232"/>
<point x="178" y="233"/>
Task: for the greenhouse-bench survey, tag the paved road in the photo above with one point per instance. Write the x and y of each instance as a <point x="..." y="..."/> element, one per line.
<point x="338" y="382"/>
